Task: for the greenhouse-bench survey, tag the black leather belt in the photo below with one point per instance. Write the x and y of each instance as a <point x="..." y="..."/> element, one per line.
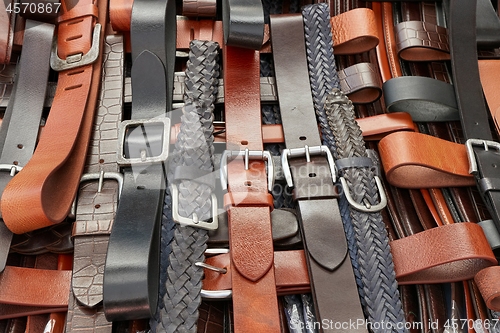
<point x="131" y="275"/>
<point x="24" y="111"/>
<point x="312" y="176"/>
<point x="243" y="23"/>
<point x="483" y="150"/>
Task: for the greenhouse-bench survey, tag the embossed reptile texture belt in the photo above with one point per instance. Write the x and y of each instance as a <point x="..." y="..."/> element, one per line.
<point x="98" y="196"/>
<point x="131" y="274"/>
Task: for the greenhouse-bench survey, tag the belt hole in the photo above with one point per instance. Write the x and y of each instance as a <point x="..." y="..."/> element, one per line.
<point x="244" y="142"/>
<point x="73" y="38"/>
<point x="73" y="87"/>
<point x="15" y="162"/>
<point x="101" y="161"/>
<point x="191" y="34"/>
<point x="97" y="206"/>
<point x="75" y="22"/>
<point x="312" y="175"/>
<point x="248" y="183"/>
<point x="302" y="138"/>
<point x="20" y="146"/>
<point x="76" y="72"/>
<point x="494" y="165"/>
<point x="140" y="187"/>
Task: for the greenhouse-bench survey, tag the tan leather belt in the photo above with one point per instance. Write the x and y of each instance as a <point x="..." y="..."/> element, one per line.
<point x="43" y="192"/>
<point x="248" y="200"/>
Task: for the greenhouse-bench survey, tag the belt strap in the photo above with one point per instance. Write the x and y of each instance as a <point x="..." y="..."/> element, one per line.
<point x="131" y="281"/>
<point x="482" y="150"/>
<point x="60" y="153"/>
<point x="192" y="198"/>
<point x="243" y="23"/>
<point x="319" y="216"/>
<point x="248" y="201"/>
<point x="30" y="87"/>
<point x="199" y="8"/>
<point x="7" y="22"/>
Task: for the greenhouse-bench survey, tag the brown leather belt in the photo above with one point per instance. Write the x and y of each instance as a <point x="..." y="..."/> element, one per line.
<point x="248" y="201"/>
<point x="313" y="178"/>
<point x="36" y="198"/>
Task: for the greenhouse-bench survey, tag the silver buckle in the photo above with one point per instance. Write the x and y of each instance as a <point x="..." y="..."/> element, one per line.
<point x="470" y="152"/>
<point x="248" y="154"/>
<point x="79" y="59"/>
<point x="122" y="130"/>
<point x="307" y="152"/>
<point x="217" y="294"/>
<point x="367" y="208"/>
<point x="11" y="167"/>
<point x="100" y="176"/>
<point x="194" y="221"/>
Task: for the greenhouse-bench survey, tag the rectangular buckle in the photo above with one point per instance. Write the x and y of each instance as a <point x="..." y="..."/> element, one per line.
<point x="470" y="143"/>
<point x="14" y="169"/>
<point x="76" y="60"/>
<point x="194" y="221"/>
<point x="122" y="130"/>
<point x="248" y="154"/>
<point x="307" y="152"/>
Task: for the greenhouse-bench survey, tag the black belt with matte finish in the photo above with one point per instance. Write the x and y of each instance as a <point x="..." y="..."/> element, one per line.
<point x="20" y="125"/>
<point x="310" y="169"/>
<point x="483" y="150"/>
<point x="131" y="275"/>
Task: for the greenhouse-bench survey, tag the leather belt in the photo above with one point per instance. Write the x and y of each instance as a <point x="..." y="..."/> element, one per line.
<point x="319" y="216"/>
<point x="243" y="23"/>
<point x="99" y="192"/>
<point x="248" y="202"/>
<point x="7" y="22"/>
<point x="131" y="274"/>
<point x="60" y="153"/>
<point x="29" y="94"/>
<point x="361" y="34"/>
<point x="199" y="8"/>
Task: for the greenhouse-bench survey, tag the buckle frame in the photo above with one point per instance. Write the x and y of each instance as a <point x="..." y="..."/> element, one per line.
<point x="79" y="59"/>
<point x="307" y="152"/>
<point x="122" y="130"/>
<point x="470" y="143"/>
<point x="13" y="168"/>
<point x="218" y="294"/>
<point x="367" y="208"/>
<point x="193" y="222"/>
<point x="248" y="154"/>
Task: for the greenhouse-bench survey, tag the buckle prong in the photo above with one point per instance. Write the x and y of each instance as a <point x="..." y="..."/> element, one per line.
<point x="194" y="221"/>
<point x="12" y="168"/>
<point x="211" y="267"/>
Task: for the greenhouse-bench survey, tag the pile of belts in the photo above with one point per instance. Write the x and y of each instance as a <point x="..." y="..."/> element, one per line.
<point x="246" y="166"/>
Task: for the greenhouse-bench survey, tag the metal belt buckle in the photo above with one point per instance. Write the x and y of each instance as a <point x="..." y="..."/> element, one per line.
<point x="217" y="294"/>
<point x="248" y="154"/>
<point x="473" y="169"/>
<point x="100" y="176"/>
<point x="122" y="130"/>
<point x="307" y="152"/>
<point x="194" y="221"/>
<point x="11" y="167"/>
<point x="79" y="59"/>
<point x="367" y="208"/>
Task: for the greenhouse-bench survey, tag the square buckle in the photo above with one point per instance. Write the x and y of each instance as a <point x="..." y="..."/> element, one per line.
<point x="248" y="154"/>
<point x="194" y="221"/>
<point x="307" y="152"/>
<point x="470" y="143"/>
<point x="76" y="60"/>
<point x="122" y="130"/>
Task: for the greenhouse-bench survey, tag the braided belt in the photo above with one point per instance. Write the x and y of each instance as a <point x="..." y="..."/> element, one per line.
<point x="193" y="201"/>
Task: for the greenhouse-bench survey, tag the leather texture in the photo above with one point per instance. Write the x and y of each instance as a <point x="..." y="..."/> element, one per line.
<point x="354" y="31"/>
<point x="468" y="252"/>
<point x="415" y="160"/>
<point x="199" y="8"/>
<point x="55" y="239"/>
<point x="422" y="41"/>
<point x="7" y="22"/>
<point x="29" y="94"/>
<point x="290" y="269"/>
<point x="254" y="289"/>
<point x="487" y="283"/>
<point x="243" y="23"/>
<point x="426" y="99"/>
<point x="470" y="100"/>
<point x="318" y="214"/>
<point x="60" y="152"/>
<point x="188" y="30"/>
<point x="361" y="82"/>
<point x="489" y="71"/>
<point x="131" y="273"/>
<point x="374" y="128"/>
